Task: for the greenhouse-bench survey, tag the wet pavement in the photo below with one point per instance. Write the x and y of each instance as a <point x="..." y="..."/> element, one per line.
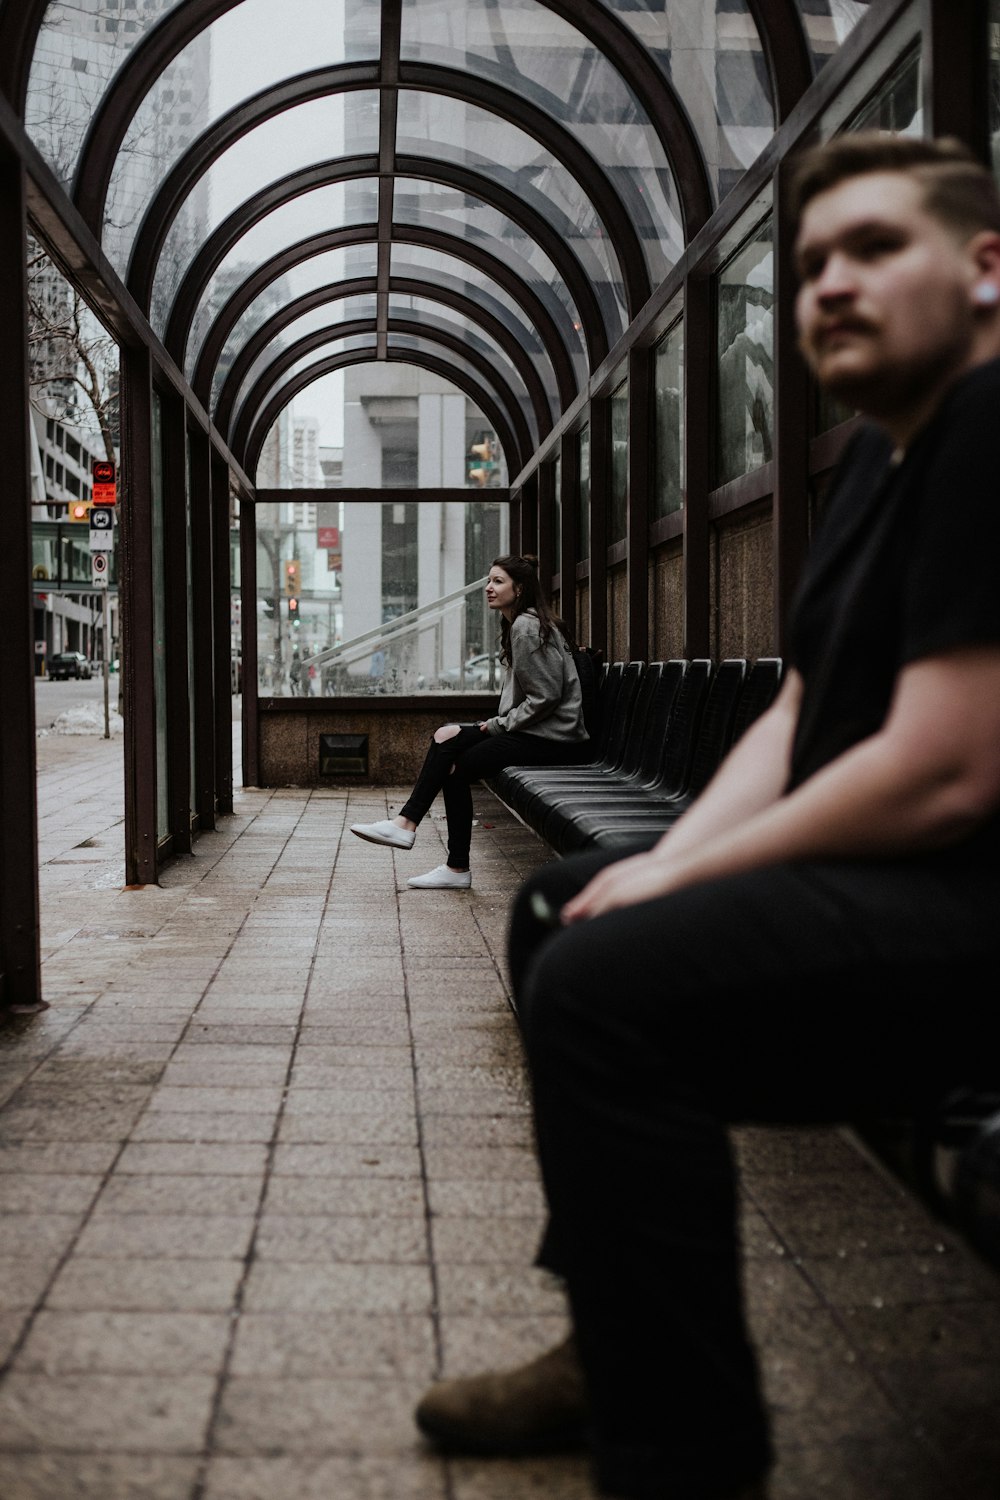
<point x="266" y="1169"/>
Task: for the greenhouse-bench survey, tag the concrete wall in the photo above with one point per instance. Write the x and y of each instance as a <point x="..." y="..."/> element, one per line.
<point x="742" y="579"/>
<point x="398" y="732"/>
<point x="666" y="602"/>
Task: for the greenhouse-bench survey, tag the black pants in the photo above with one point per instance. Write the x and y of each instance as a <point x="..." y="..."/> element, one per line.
<point x="452" y="766"/>
<point x="800" y="993"/>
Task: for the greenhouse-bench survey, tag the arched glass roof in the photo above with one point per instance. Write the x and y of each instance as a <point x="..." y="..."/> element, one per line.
<point x="489" y="188"/>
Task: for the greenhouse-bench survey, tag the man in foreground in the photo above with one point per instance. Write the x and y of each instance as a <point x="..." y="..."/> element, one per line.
<point x="783" y="954"/>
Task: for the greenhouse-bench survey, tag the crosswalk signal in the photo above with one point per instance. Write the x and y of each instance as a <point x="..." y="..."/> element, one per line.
<point x="78" y="510"/>
<point x="293" y="578"/>
<point x="293" y="611"/>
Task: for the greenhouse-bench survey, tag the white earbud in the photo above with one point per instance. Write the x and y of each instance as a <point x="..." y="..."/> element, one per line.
<point x="986" y="294"/>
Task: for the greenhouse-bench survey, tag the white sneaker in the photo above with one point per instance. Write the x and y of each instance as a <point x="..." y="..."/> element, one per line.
<point x="385" y="832"/>
<point x="442" y="879"/>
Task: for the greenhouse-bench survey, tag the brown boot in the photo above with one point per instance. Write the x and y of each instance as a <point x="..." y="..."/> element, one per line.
<point x="540" y="1407"/>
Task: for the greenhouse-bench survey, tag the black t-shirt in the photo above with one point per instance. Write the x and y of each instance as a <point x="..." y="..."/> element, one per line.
<point x="905" y="566"/>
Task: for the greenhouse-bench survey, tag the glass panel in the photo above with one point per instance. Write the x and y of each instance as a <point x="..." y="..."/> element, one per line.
<point x="454" y="131"/>
<point x="745" y="411"/>
<point x="618" y="520"/>
<point x="390" y="597"/>
<point x="711" y="56"/>
<point x="583" y="505"/>
<point x="425" y="315"/>
<point x="225" y="65"/>
<point x="316" y="212"/>
<point x="668" y="494"/>
<point x="557" y="516"/>
<point x="403" y="342"/>
<point x="327" y="269"/>
<point x="329" y="315"/>
<point x="80" y="47"/>
<point x="297" y="139"/>
<point x="434" y="206"/>
<point x="363" y="343"/>
<point x="896" y="105"/>
<point x="994" y="83"/>
<point x="828" y="23"/>
<point x="544" y="59"/>
<point x="159" y="628"/>
<point x="454" y="275"/>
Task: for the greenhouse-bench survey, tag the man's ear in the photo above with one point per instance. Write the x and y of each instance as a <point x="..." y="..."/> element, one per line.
<point x="984" y="251"/>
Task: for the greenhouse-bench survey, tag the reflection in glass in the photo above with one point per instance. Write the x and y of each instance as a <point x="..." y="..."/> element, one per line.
<point x="457" y="132"/>
<point x="312" y="213"/>
<point x="711" y="56"/>
<point x="299" y="138"/>
<point x="544" y="59"/>
<point x="896" y="104"/>
<point x="618" y="519"/>
<point x="745" y="293"/>
<point x="557" y="516"/>
<point x="994" y="83"/>
<point x="436" y="206"/>
<point x="828" y="23"/>
<point x="329" y="315"/>
<point x="668" y="493"/>
<point x="583" y="499"/>
<point x="325" y="270"/>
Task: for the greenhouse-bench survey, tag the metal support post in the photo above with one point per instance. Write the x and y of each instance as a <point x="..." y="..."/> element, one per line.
<point x="136" y="618"/>
<point x="20" y="957"/>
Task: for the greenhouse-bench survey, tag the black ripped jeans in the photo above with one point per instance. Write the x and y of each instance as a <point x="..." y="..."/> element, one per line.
<point x="452" y="766"/>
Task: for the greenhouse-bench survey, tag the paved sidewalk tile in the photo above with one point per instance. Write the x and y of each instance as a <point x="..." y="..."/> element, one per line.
<point x="267" y="1168"/>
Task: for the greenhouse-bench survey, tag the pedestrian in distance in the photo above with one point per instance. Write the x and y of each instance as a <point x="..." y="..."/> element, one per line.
<point x="539" y="723"/>
<point x="808" y="942"/>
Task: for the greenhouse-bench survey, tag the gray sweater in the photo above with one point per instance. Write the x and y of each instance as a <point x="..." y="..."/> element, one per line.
<point x="541" y="691"/>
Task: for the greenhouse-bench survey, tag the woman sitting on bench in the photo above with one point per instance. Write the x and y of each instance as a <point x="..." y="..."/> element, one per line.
<point x="539" y="723"/>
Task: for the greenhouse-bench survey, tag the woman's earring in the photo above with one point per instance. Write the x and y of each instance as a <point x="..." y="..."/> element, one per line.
<point x="986" y="294"/>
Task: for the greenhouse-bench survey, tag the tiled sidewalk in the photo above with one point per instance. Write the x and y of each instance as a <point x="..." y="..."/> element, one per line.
<point x="266" y="1169"/>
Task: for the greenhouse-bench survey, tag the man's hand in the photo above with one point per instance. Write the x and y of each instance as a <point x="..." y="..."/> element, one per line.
<point x="642" y="877"/>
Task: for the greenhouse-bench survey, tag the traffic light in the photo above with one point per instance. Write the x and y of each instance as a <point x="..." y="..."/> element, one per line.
<point x="78" y="510"/>
<point x="293" y="611"/>
<point x="293" y="578"/>
<point x="481" y="460"/>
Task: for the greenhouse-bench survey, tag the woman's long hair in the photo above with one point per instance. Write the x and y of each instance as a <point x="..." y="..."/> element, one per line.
<point x="523" y="573"/>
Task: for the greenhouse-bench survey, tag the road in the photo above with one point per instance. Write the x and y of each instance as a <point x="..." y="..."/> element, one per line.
<point x="53" y="698"/>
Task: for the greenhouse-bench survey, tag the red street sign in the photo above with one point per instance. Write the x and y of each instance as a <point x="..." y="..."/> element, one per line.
<point x="102" y="472"/>
<point x="328" y="536"/>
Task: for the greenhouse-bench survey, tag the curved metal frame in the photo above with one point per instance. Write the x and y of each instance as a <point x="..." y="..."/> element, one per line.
<point x="462" y="250"/>
<point x="625" y="224"/>
<point x="250" y="456"/>
<point x="610" y="36"/>
<point x="504" y="397"/>
<point x="324" y="174"/>
<point x="359" y="286"/>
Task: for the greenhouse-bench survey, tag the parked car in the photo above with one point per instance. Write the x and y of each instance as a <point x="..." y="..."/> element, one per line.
<point x="477" y="674"/>
<point x="69" y="664"/>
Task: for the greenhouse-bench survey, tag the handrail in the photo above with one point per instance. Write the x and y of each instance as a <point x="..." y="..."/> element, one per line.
<point x="423" y="616"/>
